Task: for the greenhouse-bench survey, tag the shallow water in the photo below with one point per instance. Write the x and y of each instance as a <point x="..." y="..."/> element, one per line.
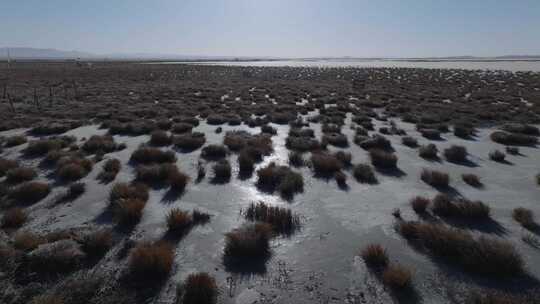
<point x="507" y="65"/>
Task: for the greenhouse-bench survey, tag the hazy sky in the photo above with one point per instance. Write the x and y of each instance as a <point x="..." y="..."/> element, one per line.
<point x="287" y="28"/>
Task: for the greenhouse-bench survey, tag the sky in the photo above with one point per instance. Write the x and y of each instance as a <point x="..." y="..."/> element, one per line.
<point x="279" y="28"/>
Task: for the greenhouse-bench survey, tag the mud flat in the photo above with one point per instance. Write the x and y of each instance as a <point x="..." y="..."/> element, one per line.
<point x="130" y="183"/>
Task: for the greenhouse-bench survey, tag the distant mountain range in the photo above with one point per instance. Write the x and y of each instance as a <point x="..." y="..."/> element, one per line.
<point x="27" y="53"/>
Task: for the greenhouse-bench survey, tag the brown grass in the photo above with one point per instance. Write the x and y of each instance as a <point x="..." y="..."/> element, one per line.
<point x="30" y="192"/>
<point x="146" y="155"/>
<point x="214" y="151"/>
<point x="149" y="261"/>
<point x="513" y="139"/>
<point x="198" y="288"/>
<point x="456" y="154"/>
<point x="497" y="156"/>
<point x="99" y="144"/>
<point x="109" y="170"/>
<point x="282" y="220"/>
<point x="325" y="164"/>
<point x="129" y="211"/>
<point x="428" y="152"/>
<point x="465" y="209"/>
<point x="27" y="241"/>
<point x="222" y="170"/>
<point x="435" y="178"/>
<point x="248" y="241"/>
<point x="160" y="138"/>
<point x="15" y="140"/>
<point x="97" y="243"/>
<point x="296" y="159"/>
<point x="281" y="178"/>
<point x="190" y="142"/>
<point x="420" y="204"/>
<point x="6" y="165"/>
<point x="364" y="174"/>
<point x="72" y="168"/>
<point x="14" y="218"/>
<point x="524" y="216"/>
<point x="20" y="174"/>
<point x="383" y="159"/>
<point x="397" y="277"/>
<point x="178" y="220"/>
<point x="124" y="191"/>
<point x="374" y="255"/>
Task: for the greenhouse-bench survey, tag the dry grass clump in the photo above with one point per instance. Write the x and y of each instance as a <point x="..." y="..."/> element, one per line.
<point x="325" y="164"/>
<point x="30" y="192"/>
<point x="344" y="157"/>
<point x="178" y="220"/>
<point x="525" y="217"/>
<point x="27" y="241"/>
<point x="409" y="141"/>
<point x="341" y="179"/>
<point x="497" y="156"/>
<point x="200" y="217"/>
<point x="432" y="134"/>
<point x="15" y="140"/>
<point x="47" y="299"/>
<point x="512" y="150"/>
<point x="246" y="163"/>
<point x="146" y="155"/>
<point x="296" y="159"/>
<point x="435" y="178"/>
<point x="281" y="178"/>
<point x="214" y="151"/>
<point x="492" y="297"/>
<point x="420" y="204"/>
<point x="6" y="165"/>
<point x="160" y="138"/>
<point x="100" y="144"/>
<point x="282" y="220"/>
<point x="43" y="146"/>
<point x="198" y="288"/>
<point x="375" y="142"/>
<point x="14" y="218"/>
<point x="374" y="255"/>
<point x="480" y="255"/>
<point x="182" y="127"/>
<point x="151" y="261"/>
<point x="129" y="211"/>
<point x="222" y="170"/>
<point x="127" y="202"/>
<point x="456" y="154"/>
<point x="155" y="173"/>
<point x="74" y="191"/>
<point x="302" y="143"/>
<point x="428" y="151"/>
<point x="521" y="128"/>
<point x="472" y="180"/>
<point x="397" y="277"/>
<point x="463" y="131"/>
<point x="383" y="159"/>
<point x="513" y="139"/>
<point x="20" y="174"/>
<point x="443" y="206"/>
<point x="109" y="170"/>
<point x="248" y="241"/>
<point x="335" y="139"/>
<point x="364" y="174"/>
<point x="97" y="243"/>
<point x="73" y="168"/>
<point x="189" y="142"/>
<point x="267" y="129"/>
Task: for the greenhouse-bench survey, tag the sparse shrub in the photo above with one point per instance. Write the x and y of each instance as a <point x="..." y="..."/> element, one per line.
<point x="296" y="159"/>
<point x="147" y="155"/>
<point x="462" y="131"/>
<point x="124" y="191"/>
<point x="156" y="173"/>
<point x="280" y="178"/>
<point x="149" y="261"/>
<point x="30" y="192"/>
<point x="181" y="127"/>
<point x="513" y="139"/>
<point x="43" y="146"/>
<point x="497" y="156"/>
<point x="428" y="152"/>
<point x="75" y="190"/>
<point x="420" y="204"/>
<point x="109" y="170"/>
<point x="14" y="218"/>
<point x="364" y="174"/>
<point x="268" y="129"/>
<point x="178" y="220"/>
<point x="214" y="151"/>
<point x="344" y="157"/>
<point x="525" y="217"/>
<point x="302" y="143"/>
<point x="73" y="169"/>
<point x="465" y="209"/>
<point x="190" y="142"/>
<point x="282" y="220"/>
<point x="375" y="142"/>
<point x="325" y="164"/>
<point x="15" y="140"/>
<point x="248" y="241"/>
<point x="6" y="165"/>
<point x="128" y="211"/>
<point x="47" y="299"/>
<point x="409" y="141"/>
<point x="538" y="179"/>
<point x="397" y="277"/>
<point x="435" y="178"/>
<point x="383" y="159"/>
<point x="178" y="180"/>
<point x="20" y="174"/>
<point x="341" y="178"/>
<point x="522" y="129"/>
<point x="433" y="134"/>
<point x="336" y="139"/>
<point x="100" y="144"/>
<point x="245" y="162"/>
<point x="222" y="170"/>
<point x="97" y="243"/>
<point x="491" y="256"/>
<point x="200" y="217"/>
<point x="27" y="241"/>
<point x="472" y="179"/>
<point x="198" y="288"/>
<point x="512" y="150"/>
<point x="160" y="138"/>
<point x="456" y="154"/>
<point x="374" y="255"/>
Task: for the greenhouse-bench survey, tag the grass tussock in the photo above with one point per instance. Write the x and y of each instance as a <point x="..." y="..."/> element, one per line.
<point x="344" y="157"/>
<point x="472" y="180"/>
<point x="14" y="218"/>
<point x="124" y="191"/>
<point x="160" y="138"/>
<point x="71" y="168"/>
<point x="420" y="204"/>
<point x="497" y="156"/>
<point x="281" y="178"/>
<point x="97" y="243"/>
<point x="151" y="261"/>
<point x="181" y="127"/>
<point x="364" y="174"/>
<point x="214" y="152"/>
<point x="524" y="217"/>
<point x="109" y="170"/>
<point x="325" y="164"/>
<point x="429" y="151"/>
<point x="222" y="170"/>
<point x="43" y="146"/>
<point x="482" y="255"/>
<point x="335" y="139"/>
<point x="465" y="209"/>
<point x="376" y="142"/>
<point x="6" y="165"/>
<point x="198" y="288"/>
<point x="456" y="154"/>
<point x="30" y="192"/>
<point x="282" y="220"/>
<point x="99" y="144"/>
<point x="513" y="139"/>
<point x="435" y="178"/>
<point x="147" y="155"/>
<point x="409" y="141"/>
<point x="20" y="174"/>
<point x="397" y="277"/>
<point x="296" y="159"/>
<point x="383" y="159"/>
<point x="189" y="142"/>
<point x="178" y="221"/>
<point x="27" y="241"/>
<point x="246" y="163"/>
<point x="248" y="241"/>
<point x="374" y="255"/>
<point x="15" y="140"/>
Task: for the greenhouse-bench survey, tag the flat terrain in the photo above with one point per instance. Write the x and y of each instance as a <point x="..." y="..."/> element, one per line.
<point x="345" y="150"/>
